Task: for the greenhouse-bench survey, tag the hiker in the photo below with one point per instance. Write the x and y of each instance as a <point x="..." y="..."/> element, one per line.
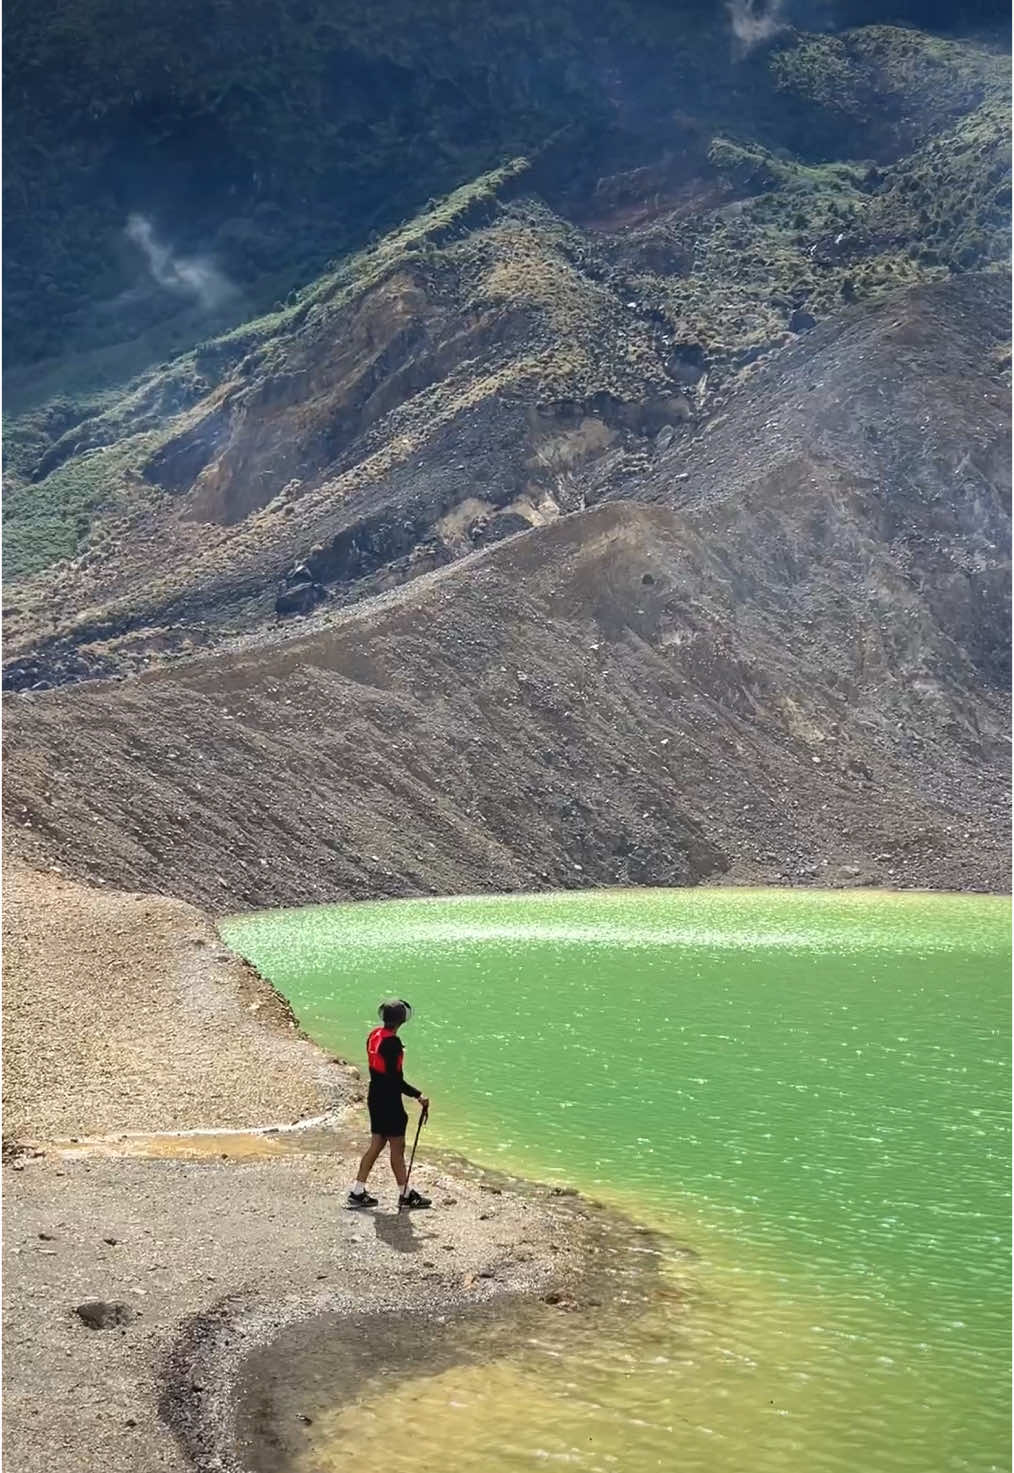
<point x="385" y="1052"/>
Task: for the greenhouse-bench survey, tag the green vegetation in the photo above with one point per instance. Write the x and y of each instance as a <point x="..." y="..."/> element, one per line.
<point x="272" y="135"/>
<point x="276" y="136"/>
<point x="752" y="166"/>
<point x="50" y="520"/>
<point x="888" y="86"/>
<point x="820" y="235"/>
<point x="591" y="313"/>
<point x="952" y="197"/>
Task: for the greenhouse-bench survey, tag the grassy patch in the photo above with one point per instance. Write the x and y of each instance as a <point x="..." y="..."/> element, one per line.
<point x="895" y="87"/>
<point x="50" y="519"/>
<point x="356" y="274"/>
<point x="952" y="197"/>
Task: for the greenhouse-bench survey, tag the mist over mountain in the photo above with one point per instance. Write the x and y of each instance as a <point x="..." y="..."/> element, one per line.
<point x="267" y="139"/>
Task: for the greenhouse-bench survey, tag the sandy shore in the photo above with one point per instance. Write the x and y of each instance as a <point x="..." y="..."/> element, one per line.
<point x="215" y="1256"/>
<point x="125" y="1014"/>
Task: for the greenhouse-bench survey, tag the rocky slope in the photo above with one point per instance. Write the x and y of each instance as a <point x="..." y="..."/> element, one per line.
<point x="466" y="370"/>
<point x="778" y="650"/>
<point x="613" y="699"/>
<point x="195" y="1038"/>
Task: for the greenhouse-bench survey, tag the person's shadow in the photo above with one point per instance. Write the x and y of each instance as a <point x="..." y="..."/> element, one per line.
<point x="395" y="1229"/>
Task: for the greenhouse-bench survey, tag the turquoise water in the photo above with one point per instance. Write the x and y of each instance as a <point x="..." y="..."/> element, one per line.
<point x="811" y="1088"/>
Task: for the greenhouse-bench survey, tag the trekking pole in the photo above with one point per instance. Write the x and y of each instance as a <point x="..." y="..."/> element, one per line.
<point x="423" y="1114"/>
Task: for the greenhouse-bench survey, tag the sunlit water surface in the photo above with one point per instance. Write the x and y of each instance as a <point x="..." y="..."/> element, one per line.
<point x="812" y="1089"/>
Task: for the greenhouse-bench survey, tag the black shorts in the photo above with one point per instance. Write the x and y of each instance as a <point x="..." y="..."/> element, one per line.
<point x="387" y="1115"/>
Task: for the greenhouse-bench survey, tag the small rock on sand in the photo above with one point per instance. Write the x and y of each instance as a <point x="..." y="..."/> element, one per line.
<point x="99" y="1314"/>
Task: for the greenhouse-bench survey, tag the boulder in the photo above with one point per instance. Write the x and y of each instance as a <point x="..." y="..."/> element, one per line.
<point x="487" y="529"/>
<point x="101" y="1314"/>
<point x="301" y="598"/>
<point x="298" y="575"/>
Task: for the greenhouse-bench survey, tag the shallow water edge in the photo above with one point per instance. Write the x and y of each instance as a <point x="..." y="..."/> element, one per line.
<point x="249" y="1383"/>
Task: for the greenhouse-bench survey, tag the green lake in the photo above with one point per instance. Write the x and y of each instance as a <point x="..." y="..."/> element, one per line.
<point x="810" y="1088"/>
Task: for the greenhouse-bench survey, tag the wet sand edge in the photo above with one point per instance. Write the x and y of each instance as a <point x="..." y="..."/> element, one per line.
<point x="234" y="1392"/>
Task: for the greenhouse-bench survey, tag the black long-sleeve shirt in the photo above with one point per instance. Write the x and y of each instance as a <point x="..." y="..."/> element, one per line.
<point x="392" y="1083"/>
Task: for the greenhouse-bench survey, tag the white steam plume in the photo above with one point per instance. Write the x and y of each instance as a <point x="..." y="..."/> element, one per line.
<point x="189" y="276"/>
<point x="754" y="21"/>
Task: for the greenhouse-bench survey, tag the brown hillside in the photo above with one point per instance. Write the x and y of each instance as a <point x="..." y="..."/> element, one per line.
<point x="587" y="704"/>
<point x="645" y="529"/>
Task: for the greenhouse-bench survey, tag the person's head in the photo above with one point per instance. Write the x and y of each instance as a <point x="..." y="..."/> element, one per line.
<point x="394" y="1012"/>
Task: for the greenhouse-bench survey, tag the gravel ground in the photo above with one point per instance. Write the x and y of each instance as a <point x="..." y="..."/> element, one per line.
<point x="126" y="1012"/>
<point x="216" y="1256"/>
<point x="126" y="1020"/>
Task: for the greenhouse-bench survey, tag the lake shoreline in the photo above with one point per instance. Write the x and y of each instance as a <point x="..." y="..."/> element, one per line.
<point x="232" y="1249"/>
<point x="136" y="1050"/>
<point x="269" y="1368"/>
<point x="216" y="1258"/>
